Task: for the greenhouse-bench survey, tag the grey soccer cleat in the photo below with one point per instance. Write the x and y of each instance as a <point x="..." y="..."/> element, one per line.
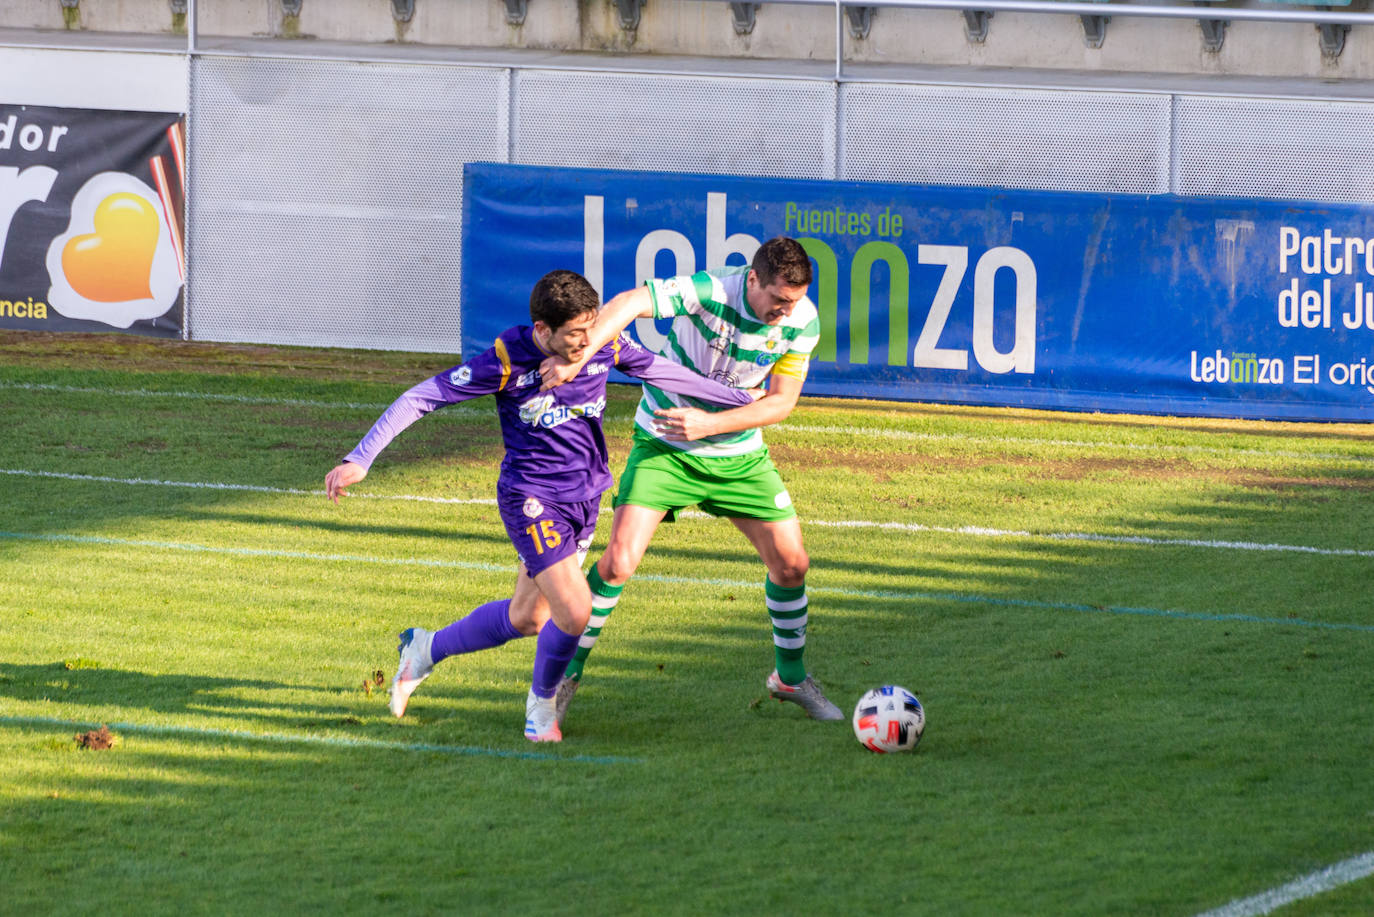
<point x="807" y="695"/>
<point x="563" y="696"/>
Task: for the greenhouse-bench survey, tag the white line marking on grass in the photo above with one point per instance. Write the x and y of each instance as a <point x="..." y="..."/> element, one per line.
<point x="981" y="532"/>
<point x="784" y="427"/>
<point x="914" y="527"/>
<point x="263" y="552"/>
<point x="976" y="440"/>
<point x="199" y="396"/>
<point x="337" y="741"/>
<point x="216" y="396"/>
<point x="1308" y="886"/>
<point x="956" y="597"/>
<point x="253" y="488"/>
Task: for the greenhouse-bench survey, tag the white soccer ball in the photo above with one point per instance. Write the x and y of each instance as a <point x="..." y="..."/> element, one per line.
<point x="889" y="718"/>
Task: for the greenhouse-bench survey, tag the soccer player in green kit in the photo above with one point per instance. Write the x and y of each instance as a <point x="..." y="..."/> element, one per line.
<point x="740" y="326"/>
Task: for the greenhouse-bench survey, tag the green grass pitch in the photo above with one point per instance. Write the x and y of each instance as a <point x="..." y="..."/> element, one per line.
<point x="1145" y="647"/>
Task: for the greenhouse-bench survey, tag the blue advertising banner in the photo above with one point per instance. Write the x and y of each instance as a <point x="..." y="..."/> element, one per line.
<point x="1151" y="304"/>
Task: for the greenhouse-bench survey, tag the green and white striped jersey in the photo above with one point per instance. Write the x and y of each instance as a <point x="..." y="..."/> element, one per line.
<point x="716" y="334"/>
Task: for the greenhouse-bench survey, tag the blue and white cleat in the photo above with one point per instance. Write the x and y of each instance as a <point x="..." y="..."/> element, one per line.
<point x="415" y="666"/>
<point x="541" y="719"/>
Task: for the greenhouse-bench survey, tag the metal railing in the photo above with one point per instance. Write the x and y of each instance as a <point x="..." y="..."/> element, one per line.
<point x="1333" y="23"/>
<point x="1212" y="16"/>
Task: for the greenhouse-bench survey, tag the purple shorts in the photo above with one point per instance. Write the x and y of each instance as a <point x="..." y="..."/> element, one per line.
<point x="545" y="532"/>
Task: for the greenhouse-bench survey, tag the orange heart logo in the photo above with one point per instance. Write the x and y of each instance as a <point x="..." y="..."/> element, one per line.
<point x="114" y="263"/>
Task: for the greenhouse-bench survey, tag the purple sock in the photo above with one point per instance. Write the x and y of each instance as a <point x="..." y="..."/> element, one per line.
<point x="552" y="653"/>
<point x="484" y="627"/>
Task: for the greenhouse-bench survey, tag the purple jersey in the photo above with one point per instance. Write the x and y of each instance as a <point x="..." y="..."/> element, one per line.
<point x="555" y="448"/>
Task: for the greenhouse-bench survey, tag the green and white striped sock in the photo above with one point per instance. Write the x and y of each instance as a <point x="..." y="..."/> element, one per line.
<point x="787" y="608"/>
<point x="604" y="597"/>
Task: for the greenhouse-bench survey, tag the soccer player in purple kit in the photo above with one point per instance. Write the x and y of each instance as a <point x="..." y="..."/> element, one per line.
<point x="550" y="485"/>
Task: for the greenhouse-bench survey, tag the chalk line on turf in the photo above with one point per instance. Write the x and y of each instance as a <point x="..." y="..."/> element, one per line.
<point x="786" y="427"/>
<point x="250" y="488"/>
<point x="287" y="738"/>
<point x="970" y="530"/>
<point x="962" y="598"/>
<point x="1310" y="885"/>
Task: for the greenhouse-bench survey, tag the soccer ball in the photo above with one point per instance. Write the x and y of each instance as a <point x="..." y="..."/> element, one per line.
<point x="889" y="718"/>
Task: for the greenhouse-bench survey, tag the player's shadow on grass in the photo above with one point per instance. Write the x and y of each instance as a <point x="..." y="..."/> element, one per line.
<point x="444" y="534"/>
<point x="452" y="709"/>
<point x="240" y="698"/>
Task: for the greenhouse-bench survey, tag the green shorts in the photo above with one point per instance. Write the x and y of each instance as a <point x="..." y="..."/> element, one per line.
<point x="657" y="476"/>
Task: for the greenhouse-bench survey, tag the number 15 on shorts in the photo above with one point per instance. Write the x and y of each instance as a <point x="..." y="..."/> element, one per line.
<point x="544" y="535"/>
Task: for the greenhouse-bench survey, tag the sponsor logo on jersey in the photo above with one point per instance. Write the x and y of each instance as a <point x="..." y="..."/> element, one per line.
<point x="597" y="369"/>
<point x="532" y="409"/>
<point x="766" y="359"/>
<point x="532" y="507"/>
<point x="461" y="376"/>
<point x="725" y="377"/>
<point x="528" y="378"/>
<point x="542" y="412"/>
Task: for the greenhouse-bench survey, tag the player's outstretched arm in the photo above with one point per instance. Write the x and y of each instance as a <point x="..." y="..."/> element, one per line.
<point x="471" y="380"/>
<point x="341" y="477"/>
<point x="613" y="318"/>
<point x="684" y="424"/>
<point x="667" y="375"/>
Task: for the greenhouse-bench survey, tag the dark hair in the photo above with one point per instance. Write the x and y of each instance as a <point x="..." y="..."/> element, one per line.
<point x="561" y="296"/>
<point x="782" y="259"/>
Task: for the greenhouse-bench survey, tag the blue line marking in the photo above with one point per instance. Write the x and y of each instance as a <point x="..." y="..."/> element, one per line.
<point x="339" y="741"/>
<point x="975" y="599"/>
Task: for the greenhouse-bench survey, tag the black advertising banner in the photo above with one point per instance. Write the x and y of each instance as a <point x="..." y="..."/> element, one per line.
<point x="91" y="215"/>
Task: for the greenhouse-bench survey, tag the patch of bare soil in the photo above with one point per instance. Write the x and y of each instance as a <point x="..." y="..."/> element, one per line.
<point x="96" y="739"/>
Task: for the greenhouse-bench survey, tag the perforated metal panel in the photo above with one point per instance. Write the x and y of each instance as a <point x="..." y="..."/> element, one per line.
<point x="988" y="137"/>
<point x="737" y="126"/>
<point x="327" y="199"/>
<point x="1273" y="148"/>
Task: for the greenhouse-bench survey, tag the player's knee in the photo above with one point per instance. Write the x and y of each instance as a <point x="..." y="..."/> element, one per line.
<point x="577" y="619"/>
<point x="791" y="570"/>
<point x="572" y="619"/>
<point x="528" y="613"/>
<point x="527" y="620"/>
<point x="617" y="565"/>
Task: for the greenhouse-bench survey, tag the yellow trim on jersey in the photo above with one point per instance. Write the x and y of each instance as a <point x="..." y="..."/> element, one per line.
<point x="504" y="356"/>
<point x="793" y="364"/>
<point x="615" y="351"/>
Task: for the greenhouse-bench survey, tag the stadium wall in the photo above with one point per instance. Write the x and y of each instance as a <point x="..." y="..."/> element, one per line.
<point x="325" y="202"/>
<point x="773" y="31"/>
